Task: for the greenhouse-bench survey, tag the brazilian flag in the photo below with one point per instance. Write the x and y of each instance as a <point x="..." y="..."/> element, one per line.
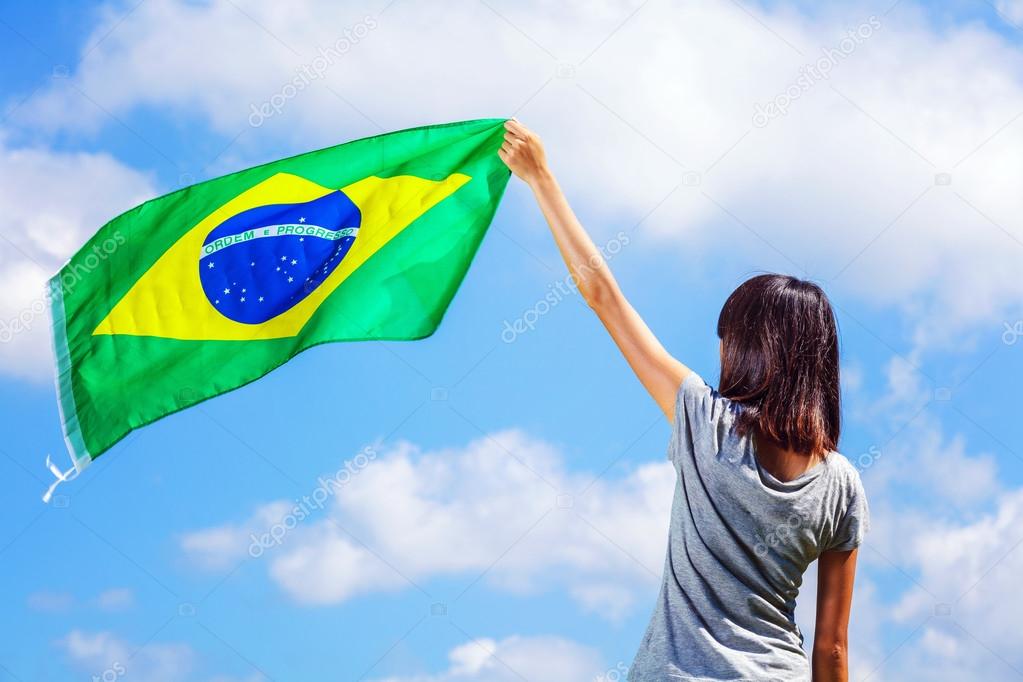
<point x="203" y="290"/>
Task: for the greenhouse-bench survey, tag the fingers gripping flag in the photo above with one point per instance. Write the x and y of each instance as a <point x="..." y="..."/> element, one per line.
<point x="203" y="290"/>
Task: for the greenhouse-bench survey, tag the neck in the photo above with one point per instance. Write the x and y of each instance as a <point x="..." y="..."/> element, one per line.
<point x="783" y="463"/>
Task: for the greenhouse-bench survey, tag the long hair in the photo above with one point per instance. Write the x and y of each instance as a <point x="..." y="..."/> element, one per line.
<point x="779" y="360"/>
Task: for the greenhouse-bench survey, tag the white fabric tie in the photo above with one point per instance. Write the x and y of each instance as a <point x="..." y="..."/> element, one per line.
<point x="68" y="475"/>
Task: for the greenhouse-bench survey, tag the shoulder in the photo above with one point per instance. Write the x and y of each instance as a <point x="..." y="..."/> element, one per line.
<point x="843" y="470"/>
<point x="697" y="400"/>
<point x="850" y="514"/>
<point x="846" y="484"/>
<point x="704" y="420"/>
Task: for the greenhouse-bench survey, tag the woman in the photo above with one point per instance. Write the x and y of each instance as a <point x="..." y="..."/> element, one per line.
<point x="761" y="492"/>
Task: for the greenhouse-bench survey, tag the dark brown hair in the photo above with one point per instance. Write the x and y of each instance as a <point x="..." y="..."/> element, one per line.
<point x="779" y="360"/>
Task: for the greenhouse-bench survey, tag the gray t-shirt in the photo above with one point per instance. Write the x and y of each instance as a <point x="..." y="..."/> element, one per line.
<point x="739" y="542"/>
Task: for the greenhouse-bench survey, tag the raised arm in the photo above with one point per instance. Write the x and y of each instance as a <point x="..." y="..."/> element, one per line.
<point x="835" y="574"/>
<point x="659" y="372"/>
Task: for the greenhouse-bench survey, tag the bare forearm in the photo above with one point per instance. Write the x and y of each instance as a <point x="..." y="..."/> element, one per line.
<point x="585" y="261"/>
<point x="836" y="574"/>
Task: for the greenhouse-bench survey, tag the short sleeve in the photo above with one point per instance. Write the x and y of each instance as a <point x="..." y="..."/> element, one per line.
<point x="695" y="428"/>
<point x="854" y="523"/>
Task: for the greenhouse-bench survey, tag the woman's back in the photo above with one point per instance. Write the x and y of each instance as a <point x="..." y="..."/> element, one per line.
<point x="739" y="543"/>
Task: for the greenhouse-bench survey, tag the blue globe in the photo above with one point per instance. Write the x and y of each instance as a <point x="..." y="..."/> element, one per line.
<point x="263" y="261"/>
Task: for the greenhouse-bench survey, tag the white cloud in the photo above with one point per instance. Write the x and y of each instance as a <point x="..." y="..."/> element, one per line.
<point x="974" y="559"/>
<point x="503" y="508"/>
<point x="920" y="466"/>
<point x="51" y="602"/>
<point x="463" y="508"/>
<point x="113" y="599"/>
<point x="104" y="655"/>
<point x="223" y="547"/>
<point x="1011" y="10"/>
<point x="960" y="613"/>
<point x="941" y="522"/>
<point x="56" y="201"/>
<point x="223" y="81"/>
<point x="855" y="158"/>
<point x="537" y="659"/>
<point x="116" y="599"/>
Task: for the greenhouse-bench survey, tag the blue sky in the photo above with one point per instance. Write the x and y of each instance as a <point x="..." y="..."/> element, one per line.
<point x="510" y="520"/>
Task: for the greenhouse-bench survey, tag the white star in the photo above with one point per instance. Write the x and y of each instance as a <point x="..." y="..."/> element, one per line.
<point x="301" y="239"/>
<point x="294" y="262"/>
<point x="210" y="266"/>
<point x="217" y="302"/>
<point x="291" y="279"/>
<point x="243" y="291"/>
<point x="227" y="291"/>
<point x="278" y="268"/>
<point x="243" y="299"/>
<point x="252" y="264"/>
<point x="301" y="220"/>
<point x="284" y="258"/>
<point x="260" y="299"/>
